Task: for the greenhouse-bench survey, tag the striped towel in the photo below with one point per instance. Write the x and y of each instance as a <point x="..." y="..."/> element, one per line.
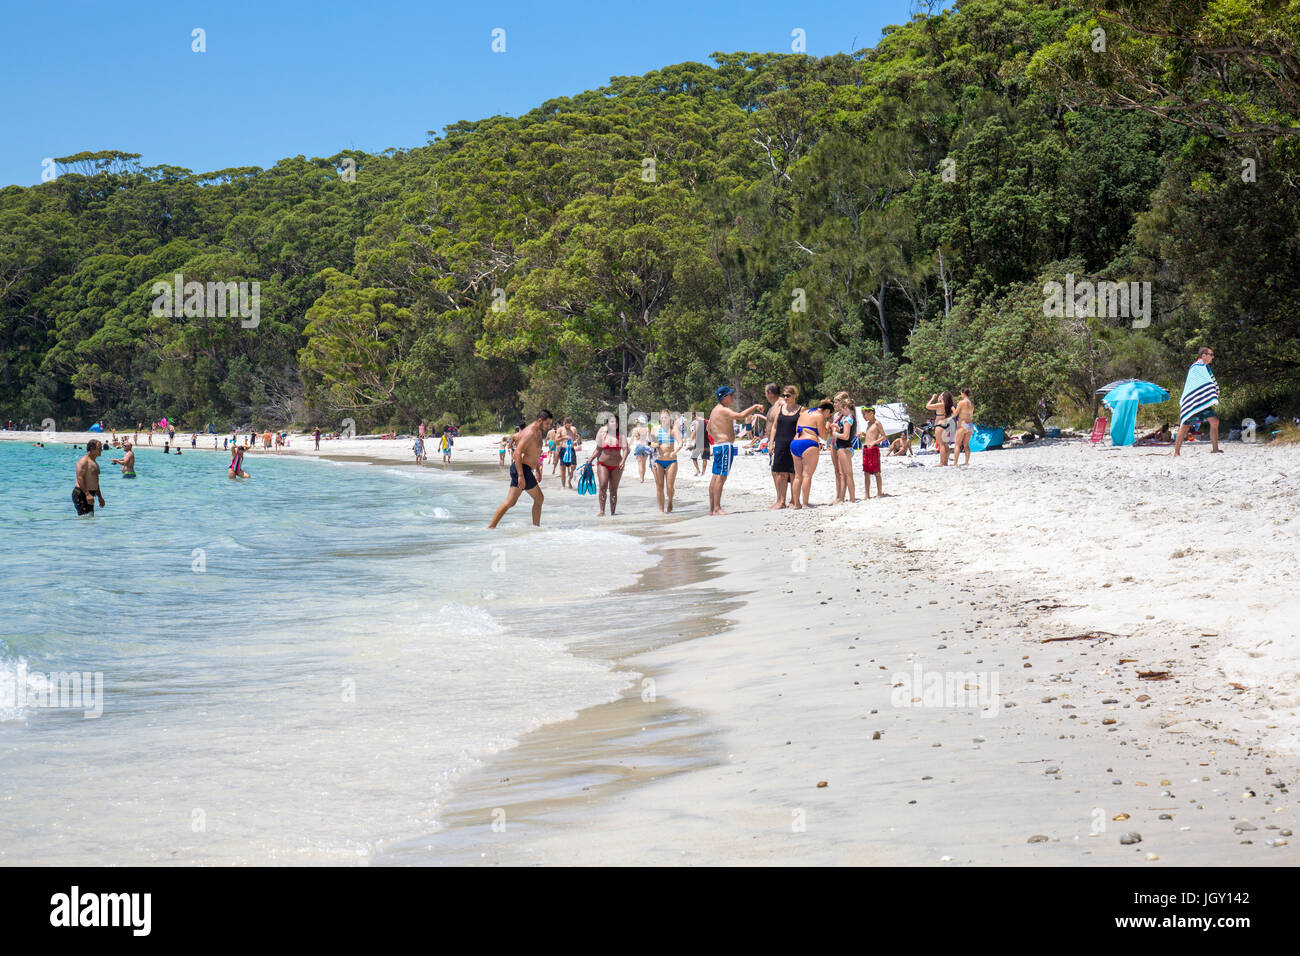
<point x="1200" y="393"/>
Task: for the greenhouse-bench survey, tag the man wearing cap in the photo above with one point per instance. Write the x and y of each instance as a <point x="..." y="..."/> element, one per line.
<point x="722" y="429"/>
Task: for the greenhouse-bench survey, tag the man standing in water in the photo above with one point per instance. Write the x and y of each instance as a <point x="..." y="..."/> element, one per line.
<point x="86" y="489"/>
<point x="127" y="461"/>
<point x="527" y="459"/>
<point x="722" y="427"/>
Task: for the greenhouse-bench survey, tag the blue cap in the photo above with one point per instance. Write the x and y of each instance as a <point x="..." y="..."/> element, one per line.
<point x="724" y="391"/>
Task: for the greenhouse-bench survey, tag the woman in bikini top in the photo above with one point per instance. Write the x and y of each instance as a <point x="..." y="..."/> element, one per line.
<point x="610" y="446"/>
<point x="666" y="439"/>
<point x="941" y="405"/>
<point x="665" y="442"/>
<point x="611" y="452"/>
<point x="808" y="432"/>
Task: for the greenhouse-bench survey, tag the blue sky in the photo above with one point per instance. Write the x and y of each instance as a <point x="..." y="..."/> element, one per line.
<point x="287" y="78"/>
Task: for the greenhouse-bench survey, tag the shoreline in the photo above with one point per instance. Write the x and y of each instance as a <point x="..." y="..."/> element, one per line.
<point x="839" y="602"/>
<point x="939" y="785"/>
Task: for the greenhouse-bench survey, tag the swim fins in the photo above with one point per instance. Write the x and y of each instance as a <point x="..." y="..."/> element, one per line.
<point x="587" y="480"/>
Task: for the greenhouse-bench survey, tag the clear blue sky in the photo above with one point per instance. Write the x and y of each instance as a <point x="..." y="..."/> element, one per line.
<point x="287" y="78"/>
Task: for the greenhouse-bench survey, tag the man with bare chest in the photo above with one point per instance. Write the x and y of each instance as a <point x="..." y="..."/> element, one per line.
<point x="722" y="429"/>
<point x="527" y="459"/>
<point x="86" y="489"/>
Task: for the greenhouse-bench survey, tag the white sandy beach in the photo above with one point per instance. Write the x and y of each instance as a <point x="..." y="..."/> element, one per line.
<point x="1179" y="565"/>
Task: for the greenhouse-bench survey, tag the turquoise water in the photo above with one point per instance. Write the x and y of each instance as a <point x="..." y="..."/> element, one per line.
<point x="294" y="669"/>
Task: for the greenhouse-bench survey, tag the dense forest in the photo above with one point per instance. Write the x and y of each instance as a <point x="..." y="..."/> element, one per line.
<point x="883" y="222"/>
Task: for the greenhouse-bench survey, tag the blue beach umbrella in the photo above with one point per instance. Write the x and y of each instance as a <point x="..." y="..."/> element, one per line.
<point x="1115" y="384"/>
<point x="1123" y="398"/>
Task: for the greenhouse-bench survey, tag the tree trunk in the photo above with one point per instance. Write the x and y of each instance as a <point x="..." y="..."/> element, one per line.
<point x="884" y="324"/>
<point x="622" y="378"/>
<point x="947" y="296"/>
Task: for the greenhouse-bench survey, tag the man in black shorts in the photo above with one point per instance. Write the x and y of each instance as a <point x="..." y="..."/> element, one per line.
<point x="527" y="457"/>
<point x="86" y="489"/>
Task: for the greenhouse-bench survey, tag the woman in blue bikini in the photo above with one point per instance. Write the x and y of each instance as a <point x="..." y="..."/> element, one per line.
<point x="813" y="426"/>
<point x="666" y="440"/>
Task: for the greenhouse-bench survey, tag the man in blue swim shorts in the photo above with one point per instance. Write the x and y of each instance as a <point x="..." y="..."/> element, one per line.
<point x="722" y="429"/>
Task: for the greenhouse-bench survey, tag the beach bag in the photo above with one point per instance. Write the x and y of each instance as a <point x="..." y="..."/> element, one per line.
<point x="587" y="480"/>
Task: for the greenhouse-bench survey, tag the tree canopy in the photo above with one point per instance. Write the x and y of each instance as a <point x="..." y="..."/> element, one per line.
<point x="883" y="222"/>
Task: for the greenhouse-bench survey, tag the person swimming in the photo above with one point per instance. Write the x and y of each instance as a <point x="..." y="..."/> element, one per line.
<point x="236" y="469"/>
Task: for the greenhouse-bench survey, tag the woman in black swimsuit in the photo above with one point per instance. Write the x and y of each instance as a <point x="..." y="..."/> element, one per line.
<point x="782" y="418"/>
<point x="941" y="405"/>
<point x="844" y="430"/>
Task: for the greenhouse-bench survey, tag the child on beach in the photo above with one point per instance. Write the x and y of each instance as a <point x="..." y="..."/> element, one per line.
<point x="871" y="439"/>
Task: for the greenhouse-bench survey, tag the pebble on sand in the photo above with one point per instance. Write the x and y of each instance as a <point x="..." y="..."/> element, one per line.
<point x="1130" y="838"/>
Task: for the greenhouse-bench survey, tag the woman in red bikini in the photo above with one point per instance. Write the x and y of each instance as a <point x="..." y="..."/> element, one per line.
<point x="611" y="453"/>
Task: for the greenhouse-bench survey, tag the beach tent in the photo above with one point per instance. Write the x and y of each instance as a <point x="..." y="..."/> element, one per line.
<point x="1123" y="398"/>
<point x="95" y="428"/>
<point x="986" y="438"/>
<point x="892" y="417"/>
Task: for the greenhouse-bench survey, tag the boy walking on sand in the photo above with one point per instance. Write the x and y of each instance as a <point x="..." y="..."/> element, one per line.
<point x="871" y="439"/>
